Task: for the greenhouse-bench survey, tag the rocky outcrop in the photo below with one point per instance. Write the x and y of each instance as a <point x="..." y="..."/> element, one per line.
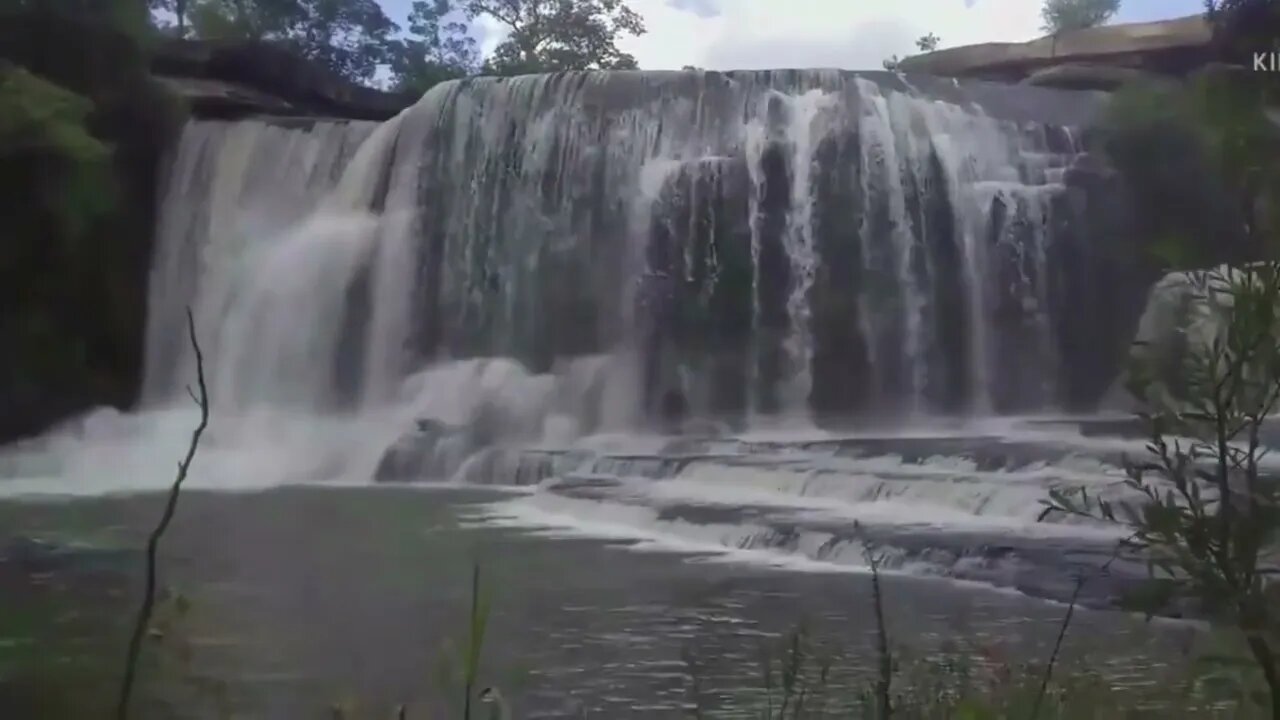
<point x="235" y="79"/>
<point x="432" y="451"/>
<point x="1098" y="58"/>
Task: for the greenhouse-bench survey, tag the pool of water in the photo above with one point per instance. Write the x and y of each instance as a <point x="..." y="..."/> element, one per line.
<point x="301" y="597"/>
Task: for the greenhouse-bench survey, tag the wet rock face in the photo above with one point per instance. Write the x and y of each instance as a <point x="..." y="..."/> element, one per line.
<point x="1100" y="272"/>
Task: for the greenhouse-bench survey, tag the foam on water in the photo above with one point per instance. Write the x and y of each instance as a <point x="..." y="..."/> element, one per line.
<point x="109" y="453"/>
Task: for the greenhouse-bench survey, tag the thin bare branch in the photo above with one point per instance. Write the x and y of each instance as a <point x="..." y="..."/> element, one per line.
<point x="153" y="541"/>
<point x="884" y="683"/>
<point x="1081" y="580"/>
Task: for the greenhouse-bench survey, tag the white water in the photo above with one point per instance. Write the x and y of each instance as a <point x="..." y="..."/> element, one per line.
<point x="270" y="232"/>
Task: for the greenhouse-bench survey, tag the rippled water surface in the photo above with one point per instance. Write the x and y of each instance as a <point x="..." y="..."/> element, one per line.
<point x="304" y="596"/>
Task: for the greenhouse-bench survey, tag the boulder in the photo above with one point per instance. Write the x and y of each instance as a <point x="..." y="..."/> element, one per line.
<point x="1185" y="313"/>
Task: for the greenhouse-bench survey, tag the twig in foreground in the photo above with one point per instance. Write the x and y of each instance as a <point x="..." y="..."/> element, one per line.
<point x="884" y="684"/>
<point x="1062" y="630"/>
<point x="153" y="541"/>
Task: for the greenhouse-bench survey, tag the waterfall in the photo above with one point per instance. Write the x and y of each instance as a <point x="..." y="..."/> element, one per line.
<point x="260" y="234"/>
<point x="758" y="243"/>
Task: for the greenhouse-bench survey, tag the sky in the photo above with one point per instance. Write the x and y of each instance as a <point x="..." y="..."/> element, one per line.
<point x="849" y="34"/>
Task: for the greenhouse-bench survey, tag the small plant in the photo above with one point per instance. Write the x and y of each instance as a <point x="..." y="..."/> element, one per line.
<point x="1204" y="514"/>
<point x="798" y="687"/>
<point x="1066" y="15"/>
<point x="928" y="43"/>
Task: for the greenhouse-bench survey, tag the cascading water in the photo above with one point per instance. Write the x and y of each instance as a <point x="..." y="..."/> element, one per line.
<point x="819" y="241"/>
<point x="528" y="269"/>
<point x="259" y="238"/>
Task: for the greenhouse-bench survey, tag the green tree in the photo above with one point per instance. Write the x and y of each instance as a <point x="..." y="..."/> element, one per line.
<point x="349" y="37"/>
<point x="555" y="35"/>
<point x="1065" y="15"/>
<point x="438" y="48"/>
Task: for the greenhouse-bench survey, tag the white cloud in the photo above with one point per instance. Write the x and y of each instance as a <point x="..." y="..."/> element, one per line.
<point x="701" y="8"/>
<point x="850" y="34"/>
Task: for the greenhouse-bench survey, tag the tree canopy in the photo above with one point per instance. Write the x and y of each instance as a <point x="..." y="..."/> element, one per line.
<point x="541" y="36"/>
<point x="438" y="48"/>
<point x="555" y="35"/>
<point x="354" y="38"/>
<point x="1066" y="15"/>
<point x="350" y="37"/>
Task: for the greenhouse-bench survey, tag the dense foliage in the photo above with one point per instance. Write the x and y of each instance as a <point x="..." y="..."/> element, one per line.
<point x="1188" y="154"/>
<point x="438" y="48"/>
<point x="553" y="35"/>
<point x="42" y="123"/>
<point x="352" y="38"/>
<point x="82" y="130"/>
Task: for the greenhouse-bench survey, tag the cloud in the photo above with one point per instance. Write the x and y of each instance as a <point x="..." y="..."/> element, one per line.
<point x="701" y="8"/>
<point x="849" y="34"/>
